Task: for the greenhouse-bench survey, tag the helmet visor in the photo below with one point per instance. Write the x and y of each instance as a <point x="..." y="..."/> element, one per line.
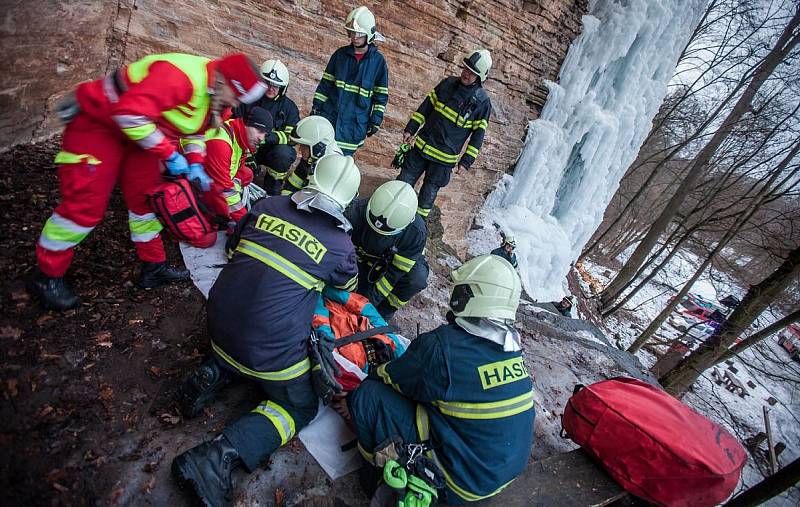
<point x="460" y="297"/>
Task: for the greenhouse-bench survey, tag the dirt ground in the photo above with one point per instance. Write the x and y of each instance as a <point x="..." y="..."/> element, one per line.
<point x="76" y="385"/>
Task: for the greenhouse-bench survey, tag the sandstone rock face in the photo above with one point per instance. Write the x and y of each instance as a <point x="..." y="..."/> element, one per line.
<point x="50" y="46"/>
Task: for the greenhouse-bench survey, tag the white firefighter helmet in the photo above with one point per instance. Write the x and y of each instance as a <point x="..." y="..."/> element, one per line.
<point x="275" y="72"/>
<point x="362" y="21"/>
<point x="336" y="176"/>
<point x="479" y="62"/>
<point x="392" y="207"/>
<point x="485" y="286"/>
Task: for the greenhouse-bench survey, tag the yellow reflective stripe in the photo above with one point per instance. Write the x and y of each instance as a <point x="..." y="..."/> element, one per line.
<point x="67" y="157"/>
<point x="349" y="146"/>
<point x="381" y="89"/>
<point x="472" y="151"/>
<point x="403" y="263"/>
<point x="387" y="379"/>
<point x="140" y="132"/>
<point x="354" y="89"/>
<point x="321" y="97"/>
<point x="349" y="285"/>
<point x="439" y="155"/>
<point x="453" y="116"/>
<point x="282" y="139"/>
<point x="292" y="372"/>
<point x="395" y="301"/>
<point x="379" y="107"/>
<point x="367" y="455"/>
<point x="296" y="181"/>
<point x="383" y="286"/>
<point x="275" y="174"/>
<point x="279" y="418"/>
<point x="423" y="212"/>
<point x="328" y="77"/>
<point x="286" y="192"/>
<point x="423" y="429"/>
<point x="479" y="124"/>
<point x="417" y="117"/>
<point x="280" y="264"/>
<point x="489" y="410"/>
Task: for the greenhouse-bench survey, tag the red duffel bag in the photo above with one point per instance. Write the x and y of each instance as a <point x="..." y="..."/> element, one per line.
<point x="180" y="212"/>
<point x="655" y="446"/>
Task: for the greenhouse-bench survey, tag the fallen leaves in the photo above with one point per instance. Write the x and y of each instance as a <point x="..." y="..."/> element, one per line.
<point x="103" y="339"/>
<point x="45" y="411"/>
<point x="169" y="418"/>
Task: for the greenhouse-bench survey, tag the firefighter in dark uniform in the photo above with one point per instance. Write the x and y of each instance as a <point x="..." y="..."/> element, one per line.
<point x="457" y="109"/>
<point x="315" y="138"/>
<point x="462" y="390"/>
<point x="259" y="319"/>
<point x="506" y="249"/>
<point x="354" y="88"/>
<point x="275" y="155"/>
<point x="390" y="239"/>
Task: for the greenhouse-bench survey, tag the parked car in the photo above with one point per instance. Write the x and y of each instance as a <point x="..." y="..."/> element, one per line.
<point x="694" y="327"/>
<point x="789" y="339"/>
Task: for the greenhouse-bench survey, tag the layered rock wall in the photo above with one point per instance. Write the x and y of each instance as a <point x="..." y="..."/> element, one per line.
<point x="49" y="46"/>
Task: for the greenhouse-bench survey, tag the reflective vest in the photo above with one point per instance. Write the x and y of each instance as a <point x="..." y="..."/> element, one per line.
<point x="187" y="118"/>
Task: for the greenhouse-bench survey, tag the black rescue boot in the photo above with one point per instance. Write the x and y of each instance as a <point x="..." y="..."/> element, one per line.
<point x="156" y="274"/>
<point x="206" y="471"/>
<point x="53" y="293"/>
<point x="200" y="387"/>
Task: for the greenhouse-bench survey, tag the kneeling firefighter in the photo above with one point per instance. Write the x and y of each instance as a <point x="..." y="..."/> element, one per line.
<point x="390" y="240"/>
<point x="460" y="397"/>
<point x="284" y="251"/>
<point x="315" y="137"/>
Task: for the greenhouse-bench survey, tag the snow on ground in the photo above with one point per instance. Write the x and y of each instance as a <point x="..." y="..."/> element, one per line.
<point x="766" y="365"/>
<point x="596" y="117"/>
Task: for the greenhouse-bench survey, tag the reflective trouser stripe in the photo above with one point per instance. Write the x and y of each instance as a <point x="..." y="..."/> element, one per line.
<point x="279" y="418"/>
<point x="292" y="372"/>
<point x="387" y="379"/>
<point x="67" y="157"/>
<point x="143" y="227"/>
<point x="417" y="117"/>
<point x="383" y="286"/>
<point x="349" y="146"/>
<point x="320" y="97"/>
<point x="370" y="457"/>
<point x="423" y="212"/>
<point x="61" y="233"/>
<point x="395" y="301"/>
<point x="490" y="410"/>
<point x="423" y="428"/>
<point x="280" y="264"/>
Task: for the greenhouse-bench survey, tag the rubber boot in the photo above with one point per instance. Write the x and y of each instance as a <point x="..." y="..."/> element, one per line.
<point x="53" y="293"/>
<point x="156" y="274"/>
<point x="200" y="386"/>
<point x="205" y="471"/>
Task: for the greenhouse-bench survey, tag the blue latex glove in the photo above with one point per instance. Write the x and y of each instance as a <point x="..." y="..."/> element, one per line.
<point x="177" y="164"/>
<point x="198" y="175"/>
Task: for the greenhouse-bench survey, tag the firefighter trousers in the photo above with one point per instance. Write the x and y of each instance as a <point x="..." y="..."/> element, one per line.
<point x="287" y="409"/>
<point x="92" y="158"/>
<point x="277" y="159"/>
<point x="437" y="175"/>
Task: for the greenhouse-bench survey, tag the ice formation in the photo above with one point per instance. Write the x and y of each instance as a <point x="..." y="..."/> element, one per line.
<point x="596" y="118"/>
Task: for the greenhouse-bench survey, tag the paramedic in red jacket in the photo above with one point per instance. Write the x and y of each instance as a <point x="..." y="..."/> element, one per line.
<point x="227" y="147"/>
<point x="142" y="108"/>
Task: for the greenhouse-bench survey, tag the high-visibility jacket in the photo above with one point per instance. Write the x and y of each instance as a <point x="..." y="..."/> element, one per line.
<point x="449" y="115"/>
<point x="474" y="407"/>
<point x="399" y="252"/>
<point x="155" y="101"/>
<point x="261" y="305"/>
<point x="285" y="117"/>
<point x="227" y="150"/>
<point x="353" y="94"/>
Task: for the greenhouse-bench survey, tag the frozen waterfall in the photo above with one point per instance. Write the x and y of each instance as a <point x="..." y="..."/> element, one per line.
<point x="595" y="120"/>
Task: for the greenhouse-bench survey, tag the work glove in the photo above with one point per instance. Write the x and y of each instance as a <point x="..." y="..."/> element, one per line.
<point x="372" y="129"/>
<point x="198" y="176"/>
<point x="324" y="368"/>
<point x="177" y="164"/>
<point x="68" y="108"/>
<point x="400" y="156"/>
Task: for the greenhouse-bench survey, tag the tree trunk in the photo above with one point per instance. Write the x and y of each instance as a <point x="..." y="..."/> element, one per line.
<point x="776" y="55"/>
<point x="758" y="336"/>
<point x="770" y="487"/>
<point x="754" y="302"/>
